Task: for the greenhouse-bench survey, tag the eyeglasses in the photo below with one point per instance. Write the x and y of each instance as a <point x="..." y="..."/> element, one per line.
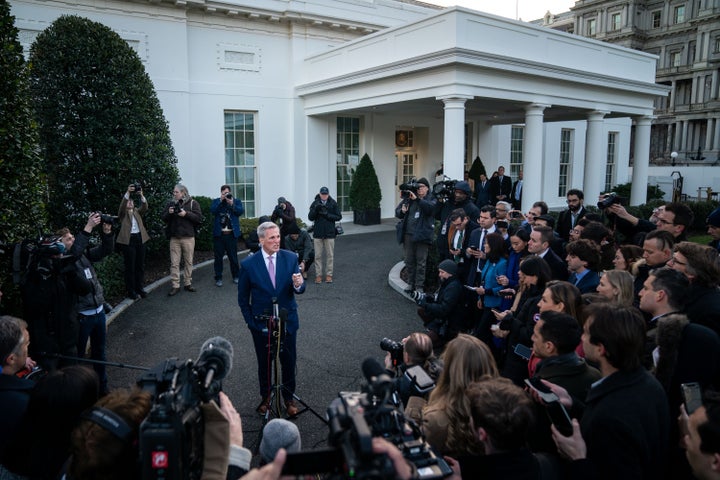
<point x="674" y="260"/>
<point x="531" y="214"/>
<point x="664" y="222"/>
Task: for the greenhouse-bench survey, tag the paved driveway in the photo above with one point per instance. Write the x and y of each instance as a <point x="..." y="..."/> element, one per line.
<point x="340" y="325"/>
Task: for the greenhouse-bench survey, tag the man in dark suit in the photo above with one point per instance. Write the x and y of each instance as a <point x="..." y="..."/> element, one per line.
<point x="272" y="275"/>
<point x="539" y="244"/>
<point x="516" y="194"/>
<point x="482" y="191"/>
<point x="500" y="187"/>
<point x="575" y="211"/>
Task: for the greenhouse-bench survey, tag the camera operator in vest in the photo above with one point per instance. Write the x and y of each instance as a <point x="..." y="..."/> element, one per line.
<point x="91" y="306"/>
<point x="418" y="372"/>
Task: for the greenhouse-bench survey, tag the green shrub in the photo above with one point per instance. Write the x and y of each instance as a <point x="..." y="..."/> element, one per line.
<point x="204" y="238"/>
<point x="365" y="193"/>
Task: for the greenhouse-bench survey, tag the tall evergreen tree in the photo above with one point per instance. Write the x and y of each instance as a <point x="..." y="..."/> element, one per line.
<point x="22" y="182"/>
<point x="101" y="123"/>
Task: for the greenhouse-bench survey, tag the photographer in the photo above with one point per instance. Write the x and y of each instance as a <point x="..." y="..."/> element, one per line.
<point x="299" y="241"/>
<point x="417" y="351"/>
<point x="416" y="211"/>
<point x="181" y="214"/>
<point x="91" y="306"/>
<point x="132" y="238"/>
<point x="226" y="232"/>
<point x="441" y="313"/>
<point x="324" y="211"/>
<point x="285" y="212"/>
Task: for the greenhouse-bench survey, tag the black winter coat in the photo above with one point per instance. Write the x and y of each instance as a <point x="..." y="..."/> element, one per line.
<point x="324" y="217"/>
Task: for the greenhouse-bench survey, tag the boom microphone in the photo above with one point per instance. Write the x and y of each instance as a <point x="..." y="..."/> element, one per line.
<point x="216" y="356"/>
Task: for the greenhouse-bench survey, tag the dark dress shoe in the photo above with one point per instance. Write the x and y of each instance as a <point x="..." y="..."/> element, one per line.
<point x="291" y="408"/>
<point x="173" y="292"/>
<point x="263" y="407"/>
<point x="190" y="288"/>
<point x="142" y="293"/>
<point x="133" y="296"/>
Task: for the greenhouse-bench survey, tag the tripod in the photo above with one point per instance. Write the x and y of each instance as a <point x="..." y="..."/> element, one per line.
<point x="276" y="337"/>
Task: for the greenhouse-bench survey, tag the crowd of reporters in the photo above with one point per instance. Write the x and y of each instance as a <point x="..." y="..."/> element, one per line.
<point x="614" y="347"/>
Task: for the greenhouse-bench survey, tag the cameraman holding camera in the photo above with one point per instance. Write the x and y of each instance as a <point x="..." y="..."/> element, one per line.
<point x="132" y="238"/>
<point x="91" y="306"/>
<point x="417" y="351"/>
<point x="181" y="214"/>
<point x="226" y="232"/>
<point x="285" y="212"/>
<point x="442" y="312"/>
<point x="416" y="210"/>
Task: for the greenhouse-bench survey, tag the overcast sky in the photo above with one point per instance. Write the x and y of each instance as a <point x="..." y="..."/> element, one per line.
<point x="527" y="10"/>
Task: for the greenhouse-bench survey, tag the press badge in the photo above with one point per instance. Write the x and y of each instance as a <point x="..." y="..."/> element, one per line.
<point x="88" y="274"/>
<point x="417" y="215"/>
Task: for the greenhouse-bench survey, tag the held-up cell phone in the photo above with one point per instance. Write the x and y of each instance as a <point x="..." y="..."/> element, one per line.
<point x="523" y="351"/>
<point x="692" y="396"/>
<point x="470" y="287"/>
<point x="555" y="410"/>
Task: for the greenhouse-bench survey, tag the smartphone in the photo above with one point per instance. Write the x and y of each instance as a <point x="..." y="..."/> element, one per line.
<point x="470" y="287"/>
<point x="553" y="408"/>
<point x="523" y="351"/>
<point x="692" y="396"/>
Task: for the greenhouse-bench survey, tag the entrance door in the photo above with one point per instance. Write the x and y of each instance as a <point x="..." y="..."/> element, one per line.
<point x="405" y="170"/>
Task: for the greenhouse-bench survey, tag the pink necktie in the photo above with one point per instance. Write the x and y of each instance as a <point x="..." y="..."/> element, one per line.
<point x="271" y="270"/>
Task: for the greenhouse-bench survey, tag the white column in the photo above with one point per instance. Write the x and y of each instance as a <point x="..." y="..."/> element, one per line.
<point x="709" y="133"/>
<point x="595" y="156"/>
<point x="684" y="140"/>
<point x="638" y="190"/>
<point x="717" y="136"/>
<point x="454" y="135"/>
<point x="533" y="149"/>
<point x="669" y="141"/>
<point x="677" y="143"/>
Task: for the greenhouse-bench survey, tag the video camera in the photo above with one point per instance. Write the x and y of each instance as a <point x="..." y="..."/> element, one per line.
<point x="444" y="189"/>
<point x="44" y="255"/>
<point x="406" y="188"/>
<point x="609" y="199"/>
<point x="171" y="439"/>
<point x="354" y="419"/>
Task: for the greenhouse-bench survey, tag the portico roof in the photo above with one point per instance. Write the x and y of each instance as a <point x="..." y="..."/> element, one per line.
<point x="499" y="65"/>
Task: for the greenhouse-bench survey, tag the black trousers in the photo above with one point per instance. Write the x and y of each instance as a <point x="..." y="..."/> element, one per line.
<point x="134" y="256"/>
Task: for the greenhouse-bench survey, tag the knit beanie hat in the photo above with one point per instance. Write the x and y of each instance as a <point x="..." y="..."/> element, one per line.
<point x="448" y="266"/>
<point x="424" y="181"/>
<point x="279" y="433"/>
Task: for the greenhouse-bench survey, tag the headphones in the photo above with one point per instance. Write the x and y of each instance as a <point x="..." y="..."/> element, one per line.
<point x="110" y="421"/>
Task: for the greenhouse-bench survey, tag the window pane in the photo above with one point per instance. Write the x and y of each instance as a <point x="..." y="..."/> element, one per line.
<point x="240" y="157"/>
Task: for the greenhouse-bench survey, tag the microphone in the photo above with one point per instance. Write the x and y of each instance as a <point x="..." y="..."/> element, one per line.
<point x="378" y="380"/>
<point x="216" y="356"/>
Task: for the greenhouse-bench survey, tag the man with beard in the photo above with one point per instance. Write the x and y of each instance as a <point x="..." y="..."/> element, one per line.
<point x="575" y="211"/>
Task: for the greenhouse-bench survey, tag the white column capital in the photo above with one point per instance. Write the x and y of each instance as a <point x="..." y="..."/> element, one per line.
<point x="454" y="100"/>
<point x="596" y="115"/>
<point x="536" y="108"/>
<point x="644" y="120"/>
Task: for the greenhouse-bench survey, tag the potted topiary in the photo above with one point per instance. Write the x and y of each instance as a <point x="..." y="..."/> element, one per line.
<point x="365" y="195"/>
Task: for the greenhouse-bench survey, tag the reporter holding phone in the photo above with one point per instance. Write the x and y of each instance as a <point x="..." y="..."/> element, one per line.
<point x="487" y="287"/>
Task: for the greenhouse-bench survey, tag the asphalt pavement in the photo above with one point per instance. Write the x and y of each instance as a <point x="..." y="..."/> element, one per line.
<point x="341" y="324"/>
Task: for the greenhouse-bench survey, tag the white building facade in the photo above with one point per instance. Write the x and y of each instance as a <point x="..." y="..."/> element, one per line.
<point x="281" y="97"/>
